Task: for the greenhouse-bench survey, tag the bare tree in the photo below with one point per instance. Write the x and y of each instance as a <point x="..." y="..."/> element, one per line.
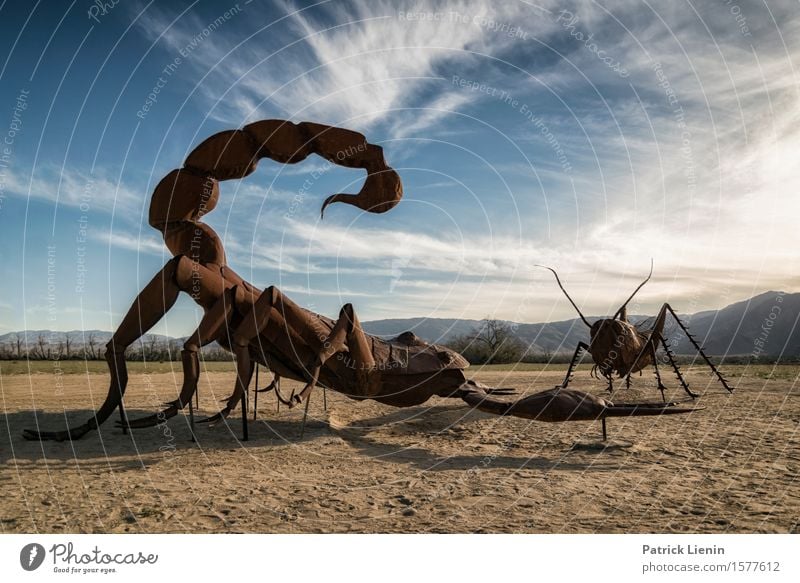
<point x="42" y="348"/>
<point x="151" y="349"/>
<point x="492" y="342"/>
<point x="91" y="344"/>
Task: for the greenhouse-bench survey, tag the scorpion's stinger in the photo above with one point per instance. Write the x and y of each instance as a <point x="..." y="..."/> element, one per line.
<point x="381" y="192"/>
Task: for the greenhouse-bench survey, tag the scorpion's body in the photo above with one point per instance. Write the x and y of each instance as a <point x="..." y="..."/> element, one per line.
<point x="405" y="371"/>
<point x="267" y="327"/>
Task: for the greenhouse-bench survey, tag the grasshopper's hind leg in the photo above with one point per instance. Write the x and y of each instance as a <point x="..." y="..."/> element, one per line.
<point x="697" y="347"/>
<point x="659" y="382"/>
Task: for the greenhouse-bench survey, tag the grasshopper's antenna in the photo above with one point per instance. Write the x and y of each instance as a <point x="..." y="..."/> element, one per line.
<point x="574" y="305"/>
<point x="622" y="308"/>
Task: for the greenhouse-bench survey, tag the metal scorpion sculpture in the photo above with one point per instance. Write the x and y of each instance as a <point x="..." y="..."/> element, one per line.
<point x="268" y="328"/>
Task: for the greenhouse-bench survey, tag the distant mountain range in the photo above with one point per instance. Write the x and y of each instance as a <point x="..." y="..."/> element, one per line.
<point x="766" y="324"/>
<point x="770" y="318"/>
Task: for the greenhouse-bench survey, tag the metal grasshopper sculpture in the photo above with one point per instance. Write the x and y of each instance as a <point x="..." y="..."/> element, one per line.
<point x="620" y="347"/>
<point x="267" y="327"/>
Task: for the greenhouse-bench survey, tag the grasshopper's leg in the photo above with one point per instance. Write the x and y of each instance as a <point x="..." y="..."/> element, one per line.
<point x="211" y="327"/>
<point x="597" y="373"/>
<point x="661" y="386"/>
<point x="697" y="347"/>
<point x="568" y="377"/>
<point x="677" y="369"/>
<point x="655" y="336"/>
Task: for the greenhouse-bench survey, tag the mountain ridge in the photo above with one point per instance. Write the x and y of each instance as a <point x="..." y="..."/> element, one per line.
<point x="766" y="324"/>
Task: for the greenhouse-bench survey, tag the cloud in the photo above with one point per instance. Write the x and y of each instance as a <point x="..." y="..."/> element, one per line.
<point x="355" y="64"/>
<point x="689" y="163"/>
<point x="69" y="187"/>
<point x="147" y="244"/>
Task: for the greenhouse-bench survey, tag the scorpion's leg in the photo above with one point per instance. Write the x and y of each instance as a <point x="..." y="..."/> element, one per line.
<point x="256" y="320"/>
<point x="211" y="328"/>
<point x="150" y="305"/>
<point x="346" y="335"/>
<point x="568" y="377"/>
<point x="275" y="385"/>
<point x="244" y="373"/>
<point x="276" y="316"/>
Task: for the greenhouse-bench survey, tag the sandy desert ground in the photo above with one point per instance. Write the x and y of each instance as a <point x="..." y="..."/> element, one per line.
<point x="364" y="467"/>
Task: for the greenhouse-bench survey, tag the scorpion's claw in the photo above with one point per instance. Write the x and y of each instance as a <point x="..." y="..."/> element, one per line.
<point x="268" y="388"/>
<point x="69" y="434"/>
<point x="151" y="420"/>
<point x="481" y="388"/>
<point x="215" y="419"/>
<point x="500" y="391"/>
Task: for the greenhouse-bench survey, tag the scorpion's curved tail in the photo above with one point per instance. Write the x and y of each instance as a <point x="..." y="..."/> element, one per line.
<point x="186" y="194"/>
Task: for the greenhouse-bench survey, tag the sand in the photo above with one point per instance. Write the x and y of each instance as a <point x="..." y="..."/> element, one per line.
<point x="365" y="467"/>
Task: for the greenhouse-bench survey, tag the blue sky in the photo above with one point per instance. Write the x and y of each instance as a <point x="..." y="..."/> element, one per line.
<point x="586" y="136"/>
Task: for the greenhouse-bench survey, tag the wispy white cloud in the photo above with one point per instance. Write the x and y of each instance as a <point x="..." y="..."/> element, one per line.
<point x="75" y="188"/>
<point x="354" y="64"/>
<point x="711" y="201"/>
<point x="148" y="244"/>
